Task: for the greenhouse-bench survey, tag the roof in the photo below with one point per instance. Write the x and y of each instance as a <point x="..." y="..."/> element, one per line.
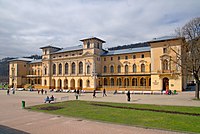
<point x="49" y="46"/>
<point x="93" y="38"/>
<point x="22" y="59"/>
<point x="67" y="49"/>
<point x="125" y="51"/>
<point x="36" y="61"/>
<point x="163" y="38"/>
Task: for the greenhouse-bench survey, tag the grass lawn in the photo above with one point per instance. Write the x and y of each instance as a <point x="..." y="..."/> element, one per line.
<point x="1" y="86"/>
<point x="175" y="118"/>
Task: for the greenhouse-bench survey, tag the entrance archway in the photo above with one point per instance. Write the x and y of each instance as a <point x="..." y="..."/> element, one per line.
<point x="80" y="84"/>
<point x="65" y="84"/>
<point x="72" y="84"/>
<point x="165" y="83"/>
<point x="59" y="84"/>
<point x="53" y="84"/>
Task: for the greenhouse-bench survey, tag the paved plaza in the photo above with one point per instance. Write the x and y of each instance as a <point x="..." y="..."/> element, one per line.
<point x="14" y="119"/>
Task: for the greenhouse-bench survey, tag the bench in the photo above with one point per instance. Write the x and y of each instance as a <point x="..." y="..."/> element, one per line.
<point x="49" y="100"/>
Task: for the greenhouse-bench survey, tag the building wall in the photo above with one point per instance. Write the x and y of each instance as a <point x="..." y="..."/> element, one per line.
<point x="17" y="73"/>
<point x="150" y="79"/>
<point x="160" y="53"/>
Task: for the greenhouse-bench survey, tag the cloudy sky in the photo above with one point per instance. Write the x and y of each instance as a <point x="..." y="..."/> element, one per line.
<point x="26" y="25"/>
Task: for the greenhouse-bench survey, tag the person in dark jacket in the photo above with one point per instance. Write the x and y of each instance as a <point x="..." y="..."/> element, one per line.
<point x="104" y="92"/>
<point x="128" y="95"/>
<point x="94" y="94"/>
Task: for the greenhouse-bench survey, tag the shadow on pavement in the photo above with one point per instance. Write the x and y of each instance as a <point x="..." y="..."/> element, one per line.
<point x="8" y="130"/>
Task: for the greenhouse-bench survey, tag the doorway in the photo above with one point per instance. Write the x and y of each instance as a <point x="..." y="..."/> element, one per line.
<point x="165" y="84"/>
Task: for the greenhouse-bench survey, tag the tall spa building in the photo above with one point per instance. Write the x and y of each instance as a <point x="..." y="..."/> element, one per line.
<point x="142" y="66"/>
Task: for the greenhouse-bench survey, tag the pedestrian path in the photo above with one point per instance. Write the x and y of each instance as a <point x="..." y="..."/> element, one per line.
<point x="14" y="118"/>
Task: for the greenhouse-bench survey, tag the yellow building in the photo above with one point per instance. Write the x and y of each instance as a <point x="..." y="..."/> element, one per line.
<point x="142" y="66"/>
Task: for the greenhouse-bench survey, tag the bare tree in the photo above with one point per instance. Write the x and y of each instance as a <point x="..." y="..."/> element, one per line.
<point x="189" y="59"/>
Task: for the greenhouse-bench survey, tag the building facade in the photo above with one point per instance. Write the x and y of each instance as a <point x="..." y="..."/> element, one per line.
<point x="142" y="66"/>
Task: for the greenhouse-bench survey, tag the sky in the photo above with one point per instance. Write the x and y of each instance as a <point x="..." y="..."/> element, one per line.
<point x="27" y="25"/>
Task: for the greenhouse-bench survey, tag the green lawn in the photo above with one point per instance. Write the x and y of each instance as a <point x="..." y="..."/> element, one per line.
<point x="142" y="116"/>
<point x="1" y="86"/>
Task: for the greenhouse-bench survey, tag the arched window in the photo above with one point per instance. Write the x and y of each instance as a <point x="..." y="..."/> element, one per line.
<point x="39" y="81"/>
<point x="88" y="44"/>
<point x="126" y="82"/>
<point x="105" y="82"/>
<point x="134" y="68"/>
<point x="54" y="68"/>
<point x="142" y="82"/>
<point x="111" y="69"/>
<point x="149" y="81"/>
<point x="80" y="67"/>
<point x="45" y="70"/>
<point x="165" y="65"/>
<point x="126" y="68"/>
<point x="88" y="83"/>
<point x="134" y="82"/>
<point x="66" y="68"/>
<point x="73" y="68"/>
<point x="88" y="69"/>
<point x="119" y="69"/>
<point x="60" y="69"/>
<point x="119" y="82"/>
<point x="142" y="67"/>
<point x="112" y="82"/>
<point x="104" y="69"/>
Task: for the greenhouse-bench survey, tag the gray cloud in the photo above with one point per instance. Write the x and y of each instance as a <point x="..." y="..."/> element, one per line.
<point x="26" y="25"/>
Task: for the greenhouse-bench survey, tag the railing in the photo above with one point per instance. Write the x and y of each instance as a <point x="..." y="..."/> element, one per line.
<point x="128" y="73"/>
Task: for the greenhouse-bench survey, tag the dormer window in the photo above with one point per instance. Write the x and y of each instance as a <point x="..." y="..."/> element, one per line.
<point x="88" y="44"/>
<point x="164" y="50"/>
<point x="98" y="46"/>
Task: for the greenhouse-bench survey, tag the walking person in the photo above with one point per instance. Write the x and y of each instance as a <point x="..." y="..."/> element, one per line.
<point x="104" y="92"/>
<point x="42" y="91"/>
<point x="13" y="91"/>
<point x="94" y="94"/>
<point x="8" y="92"/>
<point x="128" y="95"/>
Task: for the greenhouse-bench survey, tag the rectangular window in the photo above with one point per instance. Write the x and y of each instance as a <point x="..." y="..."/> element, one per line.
<point x="111" y="58"/>
<point x="142" y="56"/>
<point x="118" y="57"/>
<point x="134" y="56"/>
<point x="164" y="50"/>
<point x="104" y="59"/>
<point x="126" y="57"/>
